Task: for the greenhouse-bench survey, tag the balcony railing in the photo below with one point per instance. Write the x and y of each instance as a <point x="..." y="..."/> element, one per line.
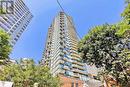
<point x="77" y="66"/>
<point x="79" y="71"/>
<point x="66" y="67"/>
<point x="76" y="62"/>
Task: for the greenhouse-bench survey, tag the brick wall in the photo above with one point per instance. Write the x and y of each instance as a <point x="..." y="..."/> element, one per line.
<point x="68" y="82"/>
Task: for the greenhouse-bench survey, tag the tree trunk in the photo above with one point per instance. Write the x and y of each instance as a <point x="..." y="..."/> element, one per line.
<point x="105" y="80"/>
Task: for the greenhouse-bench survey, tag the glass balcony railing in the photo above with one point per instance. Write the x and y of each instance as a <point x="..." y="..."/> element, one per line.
<point x="68" y="64"/>
<point x="68" y="73"/>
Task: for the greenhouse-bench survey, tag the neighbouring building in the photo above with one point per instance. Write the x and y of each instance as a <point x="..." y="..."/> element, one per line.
<point x="15" y="23"/>
<point x="6" y="84"/>
<point x="71" y="82"/>
<point x="61" y="54"/>
<point x="92" y="71"/>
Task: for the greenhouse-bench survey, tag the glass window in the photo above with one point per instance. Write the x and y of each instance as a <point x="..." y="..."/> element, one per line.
<point x="61" y="65"/>
<point x="67" y="73"/>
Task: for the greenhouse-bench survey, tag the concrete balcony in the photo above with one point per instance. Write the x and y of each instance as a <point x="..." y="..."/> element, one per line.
<point x="66" y="68"/>
<point x="74" y="58"/>
<point x="62" y="72"/>
<point x="62" y="62"/>
<point x="79" y="71"/>
<point x="74" y="48"/>
<point x="76" y="62"/>
<point x="76" y="55"/>
<point x="76" y="76"/>
<point x="77" y="66"/>
<point x="66" y="59"/>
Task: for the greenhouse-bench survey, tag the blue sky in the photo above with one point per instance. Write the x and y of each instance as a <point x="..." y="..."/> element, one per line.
<point x="85" y="13"/>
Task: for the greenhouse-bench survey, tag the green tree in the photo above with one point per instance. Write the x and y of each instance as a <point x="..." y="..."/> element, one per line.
<point x="126" y="12"/>
<point x="46" y="78"/>
<point x="98" y="46"/>
<point x="26" y="73"/>
<point x="121" y="68"/>
<point x="5" y="47"/>
<point x="104" y="47"/>
<point x="108" y="47"/>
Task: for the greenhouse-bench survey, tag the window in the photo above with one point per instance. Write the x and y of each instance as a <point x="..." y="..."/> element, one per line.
<point x="11" y="31"/>
<point x="77" y="85"/>
<point x="67" y="73"/>
<point x="17" y="36"/>
<point x="72" y="84"/>
<point x="15" y="39"/>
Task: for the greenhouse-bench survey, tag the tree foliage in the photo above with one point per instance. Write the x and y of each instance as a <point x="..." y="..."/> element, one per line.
<point x="108" y="47"/>
<point x="26" y="74"/>
<point x="5" y="47"/>
<point x="120" y="69"/>
<point x="103" y="47"/>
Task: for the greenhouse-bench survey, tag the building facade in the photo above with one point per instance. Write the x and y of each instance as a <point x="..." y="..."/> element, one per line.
<point x="16" y="22"/>
<point x="71" y="82"/>
<point x="61" y="49"/>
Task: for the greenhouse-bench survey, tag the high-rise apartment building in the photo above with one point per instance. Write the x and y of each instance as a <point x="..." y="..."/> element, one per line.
<point x="16" y="22"/>
<point x="61" y="50"/>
